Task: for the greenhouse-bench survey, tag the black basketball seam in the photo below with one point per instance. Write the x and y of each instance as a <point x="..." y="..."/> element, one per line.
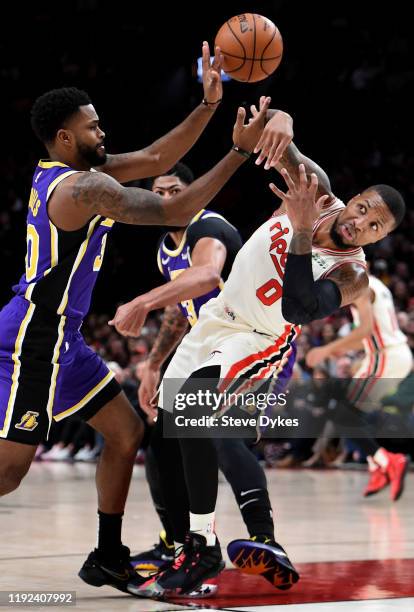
<point x="251" y="59"/>
<point x="254" y="46"/>
<point x="242" y="46"/>
<point x="264" y="50"/>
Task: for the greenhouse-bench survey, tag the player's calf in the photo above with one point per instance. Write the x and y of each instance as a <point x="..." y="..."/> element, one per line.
<point x="15" y="461"/>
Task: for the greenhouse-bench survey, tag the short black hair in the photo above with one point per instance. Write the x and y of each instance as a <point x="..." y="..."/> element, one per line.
<point x="181" y="171"/>
<point x="393" y="199"/>
<point x="53" y="108"/>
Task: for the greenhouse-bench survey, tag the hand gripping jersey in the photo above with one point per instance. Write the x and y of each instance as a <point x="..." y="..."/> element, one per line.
<point x="61" y="267"/>
<point x="254" y="288"/>
<point x="173" y="261"/>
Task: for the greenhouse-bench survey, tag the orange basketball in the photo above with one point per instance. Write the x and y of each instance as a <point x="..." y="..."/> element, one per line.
<point x="251" y="45"/>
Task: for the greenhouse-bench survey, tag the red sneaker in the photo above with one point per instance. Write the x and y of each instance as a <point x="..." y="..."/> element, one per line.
<point x="396" y="470"/>
<point x="378" y="480"/>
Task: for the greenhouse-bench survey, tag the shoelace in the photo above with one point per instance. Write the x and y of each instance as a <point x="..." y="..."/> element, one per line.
<point x="180" y="556"/>
<point x="185" y="554"/>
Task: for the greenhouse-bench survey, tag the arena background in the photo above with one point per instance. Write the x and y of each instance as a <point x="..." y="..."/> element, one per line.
<point x="346" y="78"/>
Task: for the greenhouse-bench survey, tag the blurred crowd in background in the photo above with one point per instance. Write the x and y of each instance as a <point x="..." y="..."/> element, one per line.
<point x="346" y="77"/>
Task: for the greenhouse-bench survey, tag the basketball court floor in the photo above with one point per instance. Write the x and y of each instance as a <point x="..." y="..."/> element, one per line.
<point x="352" y="553"/>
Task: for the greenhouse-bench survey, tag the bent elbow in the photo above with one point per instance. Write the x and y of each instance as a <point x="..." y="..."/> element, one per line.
<point x="294" y="312"/>
<point x="213" y="278"/>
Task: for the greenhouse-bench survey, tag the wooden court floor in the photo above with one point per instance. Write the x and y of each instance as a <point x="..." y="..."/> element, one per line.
<point x="348" y="549"/>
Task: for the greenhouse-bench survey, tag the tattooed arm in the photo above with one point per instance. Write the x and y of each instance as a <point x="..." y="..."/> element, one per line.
<point x="352" y="281"/>
<point x="85" y="194"/>
<point x="276" y="146"/>
<point x="350" y="278"/>
<point x="291" y="159"/>
<point x="173" y="327"/>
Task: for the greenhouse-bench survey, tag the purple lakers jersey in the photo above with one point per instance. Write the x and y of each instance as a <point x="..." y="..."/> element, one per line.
<point x="173" y="261"/>
<point x="61" y="267"/>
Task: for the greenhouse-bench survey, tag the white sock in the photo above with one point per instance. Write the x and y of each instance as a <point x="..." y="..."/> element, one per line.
<point x="372" y="465"/>
<point x="204" y="525"/>
<point x="381" y="457"/>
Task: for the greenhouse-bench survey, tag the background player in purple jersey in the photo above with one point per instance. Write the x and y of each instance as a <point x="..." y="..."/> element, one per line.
<point x="46" y="370"/>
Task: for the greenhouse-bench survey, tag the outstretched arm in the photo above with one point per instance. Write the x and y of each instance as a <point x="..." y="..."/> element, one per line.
<point x="277" y="148"/>
<point x="208" y="258"/>
<point x="85" y="194"/>
<point x="292" y="158"/>
<point x="353" y="340"/>
<point x="160" y="156"/>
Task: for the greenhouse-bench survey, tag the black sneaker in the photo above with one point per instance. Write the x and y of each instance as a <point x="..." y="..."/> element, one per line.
<point x="195" y="563"/>
<point x="263" y="556"/>
<point x="156" y="557"/>
<point x="115" y="572"/>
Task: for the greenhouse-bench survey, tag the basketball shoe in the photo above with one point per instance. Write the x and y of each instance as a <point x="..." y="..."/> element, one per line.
<point x="194" y="563"/>
<point x="116" y="572"/>
<point x="263" y="556"/>
<point x="393" y="473"/>
<point x="155" y="557"/>
<point x="378" y="480"/>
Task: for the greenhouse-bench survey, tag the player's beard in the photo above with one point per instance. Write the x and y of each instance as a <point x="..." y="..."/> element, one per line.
<point x="336" y="236"/>
<point x="91" y="155"/>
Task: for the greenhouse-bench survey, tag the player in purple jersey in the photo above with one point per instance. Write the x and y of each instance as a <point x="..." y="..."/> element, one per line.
<point x="46" y="369"/>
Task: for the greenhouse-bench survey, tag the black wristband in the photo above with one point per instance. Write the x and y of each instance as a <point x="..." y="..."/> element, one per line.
<point x="207" y="103"/>
<point x="241" y="151"/>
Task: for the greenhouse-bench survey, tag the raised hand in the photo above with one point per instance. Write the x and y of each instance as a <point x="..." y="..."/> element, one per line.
<point x="247" y="135"/>
<point x="213" y="87"/>
<point x="277" y="136"/>
<point x="300" y="199"/>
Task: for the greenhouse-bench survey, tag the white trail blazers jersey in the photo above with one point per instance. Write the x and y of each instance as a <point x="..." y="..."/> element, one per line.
<point x="386" y="332"/>
<point x="254" y="288"/>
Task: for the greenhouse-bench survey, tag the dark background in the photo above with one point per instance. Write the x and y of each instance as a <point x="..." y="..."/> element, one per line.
<point x="346" y="78"/>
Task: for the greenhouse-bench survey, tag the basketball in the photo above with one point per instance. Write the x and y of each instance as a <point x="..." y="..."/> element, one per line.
<point x="251" y="45"/>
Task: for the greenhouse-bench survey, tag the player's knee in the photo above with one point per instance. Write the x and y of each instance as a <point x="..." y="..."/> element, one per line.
<point x="10" y="478"/>
<point x="128" y="441"/>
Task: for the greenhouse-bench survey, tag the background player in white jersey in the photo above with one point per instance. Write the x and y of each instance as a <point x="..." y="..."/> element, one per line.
<point x="387" y="361"/>
<point x="42" y="352"/>
<point x="291" y="271"/>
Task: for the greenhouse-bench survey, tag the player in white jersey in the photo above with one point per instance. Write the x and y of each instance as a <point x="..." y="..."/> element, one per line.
<point x="300" y="265"/>
<point x="387" y="358"/>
